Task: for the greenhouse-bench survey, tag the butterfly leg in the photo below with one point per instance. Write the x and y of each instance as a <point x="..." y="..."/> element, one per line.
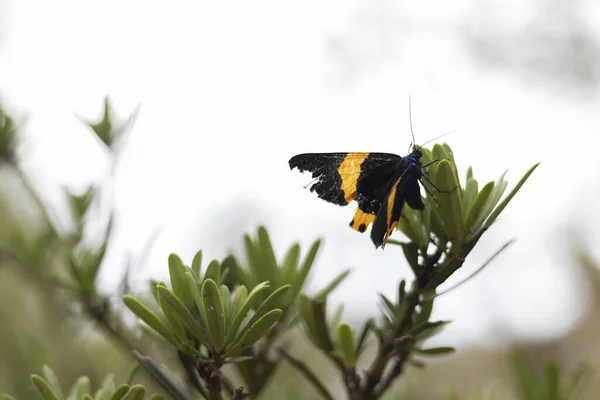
<point x="435" y="187"/>
<point x="429" y="191"/>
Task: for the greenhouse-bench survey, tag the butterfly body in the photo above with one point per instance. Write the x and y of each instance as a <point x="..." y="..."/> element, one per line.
<point x="380" y="183"/>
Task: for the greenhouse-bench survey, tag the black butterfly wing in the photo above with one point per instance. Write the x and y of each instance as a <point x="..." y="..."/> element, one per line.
<point x="404" y="189"/>
<point x="343" y="177"/>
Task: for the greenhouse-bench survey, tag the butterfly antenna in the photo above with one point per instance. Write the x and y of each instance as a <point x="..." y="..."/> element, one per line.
<point x="485" y="264"/>
<point x="437" y="137"/>
<point x="410" y="120"/>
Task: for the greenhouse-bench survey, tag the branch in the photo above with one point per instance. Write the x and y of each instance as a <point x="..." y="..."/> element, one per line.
<point x="308" y="374"/>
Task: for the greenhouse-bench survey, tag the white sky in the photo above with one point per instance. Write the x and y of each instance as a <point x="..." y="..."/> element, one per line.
<point x="229" y="91"/>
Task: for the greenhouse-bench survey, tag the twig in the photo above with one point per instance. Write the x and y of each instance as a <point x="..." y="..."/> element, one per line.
<point x="308" y="374"/>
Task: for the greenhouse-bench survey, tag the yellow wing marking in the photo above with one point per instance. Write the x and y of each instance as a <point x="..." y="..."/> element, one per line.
<point x="349" y="171"/>
<point x="361" y="220"/>
<point x="390" y="208"/>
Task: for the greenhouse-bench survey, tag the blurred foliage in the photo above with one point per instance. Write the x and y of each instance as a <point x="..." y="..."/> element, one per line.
<point x="48" y="388"/>
<point x="243" y="326"/>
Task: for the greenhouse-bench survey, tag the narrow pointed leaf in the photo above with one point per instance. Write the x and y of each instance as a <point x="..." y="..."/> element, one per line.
<point x="43" y="389"/>
<point x="333" y="285"/>
<point x="179" y="308"/>
<point x="259" y="329"/>
<point x="213" y="271"/>
<point x="137" y="392"/>
<point x="79" y="388"/>
<point x="477" y="208"/>
<point x="239" y="298"/>
<point x="308" y="374"/>
<point x="471" y="191"/>
<point x="337" y="316"/>
<point x="226" y="299"/>
<point x="290" y="264"/>
<point x="197" y="263"/>
<point x="269" y="304"/>
<point x="239" y="359"/>
<point x="195" y="290"/>
<point x="164" y="381"/>
<point x="269" y="262"/>
<point x="436" y="351"/>
<point x="305" y="268"/>
<point x="175" y="320"/>
<point x="151" y="319"/>
<point x="250" y="302"/>
<point x="177" y="272"/>
<point x="451" y="207"/>
<point x="411" y="253"/>
<point x="508" y="198"/>
<point x="345" y="338"/>
<point x="52" y="380"/>
<point x="215" y="315"/>
<point x="120" y="392"/>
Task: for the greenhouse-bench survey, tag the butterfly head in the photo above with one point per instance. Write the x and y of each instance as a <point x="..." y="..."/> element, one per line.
<point x="416" y="155"/>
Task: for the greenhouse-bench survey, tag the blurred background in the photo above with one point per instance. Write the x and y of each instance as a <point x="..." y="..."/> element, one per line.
<point x="224" y="93"/>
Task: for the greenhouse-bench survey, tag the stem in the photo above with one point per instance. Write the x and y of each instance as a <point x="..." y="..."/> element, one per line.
<point x="308" y="374"/>
<point x="212" y="376"/>
<point x="375" y="372"/>
<point x="37" y="198"/>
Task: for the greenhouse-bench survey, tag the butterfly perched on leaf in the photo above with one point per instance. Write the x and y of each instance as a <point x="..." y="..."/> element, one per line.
<point x="380" y="183"/>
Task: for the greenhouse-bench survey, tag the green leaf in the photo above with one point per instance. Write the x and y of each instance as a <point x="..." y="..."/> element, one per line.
<point x="177" y="273"/>
<point x="411" y="253"/>
<point x="425" y="312"/>
<point x="290" y="264"/>
<point x="479" y="203"/>
<point x="239" y="298"/>
<point x="451" y="206"/>
<point x="120" y="392"/>
<point x="269" y="262"/>
<point x="508" y="198"/>
<point x="253" y="297"/>
<point x="197" y="263"/>
<point x="43" y="389"/>
<point x="203" y="325"/>
<point x="239" y="359"/>
<point x="50" y="377"/>
<point x="334" y="284"/>
<point x="436" y="351"/>
<point x="177" y="307"/>
<point x="305" y="269"/>
<point x="389" y="307"/>
<point x="552" y="374"/>
<point x="471" y="190"/>
<point x="312" y="377"/>
<point x="525" y="376"/>
<point x="213" y="271"/>
<point x="345" y="338"/>
<point x="259" y="329"/>
<point x="175" y="321"/>
<point x="215" y="315"/>
<point x="426" y="330"/>
<point x="137" y="392"/>
<point x="269" y="304"/>
<point x="151" y="319"/>
<point x="164" y="381"/>
<point x="79" y="388"/>
<point x="226" y="299"/>
<point x="337" y="316"/>
<point x="108" y="386"/>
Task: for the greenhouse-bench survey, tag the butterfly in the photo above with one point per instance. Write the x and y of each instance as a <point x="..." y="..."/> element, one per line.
<point x="381" y="183"/>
